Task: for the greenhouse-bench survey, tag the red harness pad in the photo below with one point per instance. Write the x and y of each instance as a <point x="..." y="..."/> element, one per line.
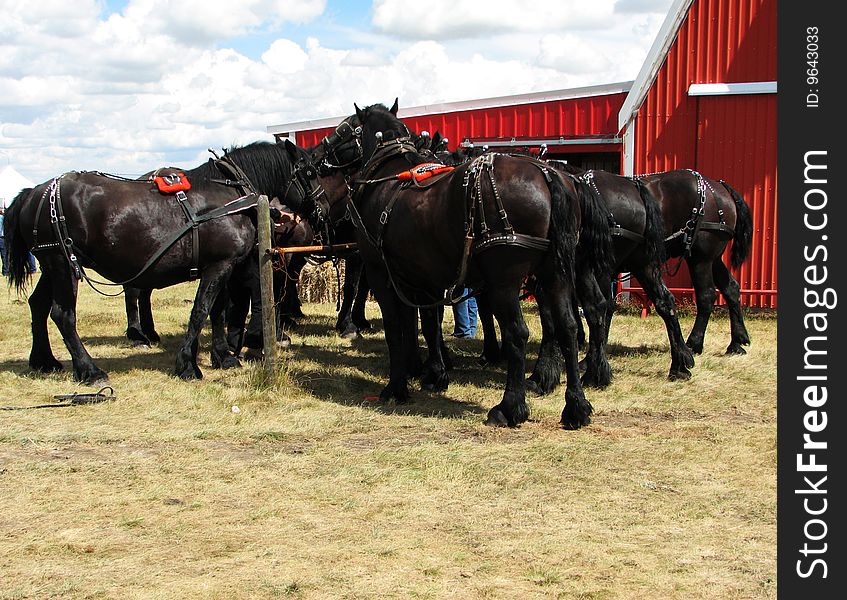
<point x="171" y="184"/>
<point x="424" y="171"/>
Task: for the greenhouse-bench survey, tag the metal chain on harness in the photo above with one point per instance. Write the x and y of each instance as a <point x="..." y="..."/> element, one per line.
<point x="692" y="226"/>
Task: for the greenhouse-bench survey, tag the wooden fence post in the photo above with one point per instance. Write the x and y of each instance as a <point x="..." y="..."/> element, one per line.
<point x="266" y="276"/>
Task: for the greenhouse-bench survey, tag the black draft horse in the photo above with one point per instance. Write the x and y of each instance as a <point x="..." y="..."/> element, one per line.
<point x="701" y="216"/>
<point x="118" y="227"/>
<point x="490" y="222"/>
<point x="244" y="292"/>
<point x="638" y="234"/>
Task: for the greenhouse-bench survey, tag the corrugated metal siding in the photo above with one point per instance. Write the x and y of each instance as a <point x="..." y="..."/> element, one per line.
<point x="726" y="137"/>
<point x="592" y="115"/>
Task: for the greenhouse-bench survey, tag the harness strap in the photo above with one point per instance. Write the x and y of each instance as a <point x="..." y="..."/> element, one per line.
<point x="182" y="200"/>
<point x="619" y="231"/>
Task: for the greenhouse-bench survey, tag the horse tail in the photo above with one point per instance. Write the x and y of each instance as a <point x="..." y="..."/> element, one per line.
<point x="16" y="248"/>
<point x="654" y="228"/>
<point x="743" y="240"/>
<point x="564" y="226"/>
<point x="595" y="246"/>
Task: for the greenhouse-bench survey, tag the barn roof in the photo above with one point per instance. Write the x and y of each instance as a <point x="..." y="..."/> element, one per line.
<point x="482" y="103"/>
<point x="650" y="68"/>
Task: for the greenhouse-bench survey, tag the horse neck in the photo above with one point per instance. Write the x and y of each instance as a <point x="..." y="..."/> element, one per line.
<point x="267" y="182"/>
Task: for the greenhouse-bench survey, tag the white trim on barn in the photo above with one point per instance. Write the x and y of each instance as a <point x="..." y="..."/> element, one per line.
<point x="483" y="103"/>
<point x="728" y="89"/>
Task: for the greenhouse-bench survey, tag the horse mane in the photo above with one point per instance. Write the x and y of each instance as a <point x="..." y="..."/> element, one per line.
<point x="266" y="164"/>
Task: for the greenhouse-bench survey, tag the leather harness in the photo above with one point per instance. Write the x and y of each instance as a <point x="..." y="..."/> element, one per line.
<point x="480" y="168"/>
<point x="70" y="250"/>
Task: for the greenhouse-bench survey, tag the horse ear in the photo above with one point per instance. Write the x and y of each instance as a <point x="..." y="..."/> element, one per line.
<point x="395" y="107"/>
<point x="291" y="148"/>
<point x="359" y="112"/>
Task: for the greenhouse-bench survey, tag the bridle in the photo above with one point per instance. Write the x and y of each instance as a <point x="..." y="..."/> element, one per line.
<point x="327" y="154"/>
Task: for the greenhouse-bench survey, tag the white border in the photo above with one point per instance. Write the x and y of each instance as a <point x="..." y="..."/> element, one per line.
<point x="727" y="89"/>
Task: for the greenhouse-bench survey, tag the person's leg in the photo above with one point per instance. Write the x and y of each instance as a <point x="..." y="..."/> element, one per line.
<point x="461" y="323"/>
<point x="31" y="263"/>
<point x="3" y="255"/>
<point x="472" y="312"/>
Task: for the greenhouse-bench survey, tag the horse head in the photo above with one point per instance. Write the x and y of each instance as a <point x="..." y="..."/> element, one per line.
<point x="341" y="150"/>
<point x="381" y="128"/>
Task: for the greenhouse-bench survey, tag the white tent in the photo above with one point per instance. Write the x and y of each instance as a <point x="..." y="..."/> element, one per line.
<point x="11" y="183"/>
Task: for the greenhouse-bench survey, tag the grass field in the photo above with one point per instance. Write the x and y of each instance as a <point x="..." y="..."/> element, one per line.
<point x="311" y="491"/>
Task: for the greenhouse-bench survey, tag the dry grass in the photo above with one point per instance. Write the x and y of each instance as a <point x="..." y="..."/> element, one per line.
<point x="310" y="491"/>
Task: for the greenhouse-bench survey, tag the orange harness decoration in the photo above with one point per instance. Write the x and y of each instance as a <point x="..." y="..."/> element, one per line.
<point x="423" y="171"/>
<point x="170" y="184"/>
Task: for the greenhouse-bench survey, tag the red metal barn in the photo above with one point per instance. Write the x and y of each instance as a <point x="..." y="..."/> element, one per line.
<point x="579" y="124"/>
<point x="704" y="99"/>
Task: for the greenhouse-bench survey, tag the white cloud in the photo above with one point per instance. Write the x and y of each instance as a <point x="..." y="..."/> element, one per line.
<point x="642" y="6"/>
<point x="285" y="56"/>
<point x="144" y="88"/>
<point x="451" y="19"/>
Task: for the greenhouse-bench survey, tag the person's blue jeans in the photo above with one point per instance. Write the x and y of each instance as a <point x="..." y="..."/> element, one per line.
<point x="464" y="317"/>
<point x="3" y="255"/>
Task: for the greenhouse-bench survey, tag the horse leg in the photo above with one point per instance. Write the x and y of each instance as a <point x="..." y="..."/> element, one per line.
<point x="598" y="372"/>
<point x="446" y="356"/>
<point x="352" y="275"/>
<point x="547" y="371"/>
<point x="221" y="356"/>
<point x="63" y="313"/>
<point x="731" y="291"/>
<point x="236" y="316"/>
<point x="512" y="409"/>
<point x="561" y="297"/>
<point x="41" y="356"/>
<point x="133" y="320"/>
<point x="490" y="345"/>
<point x="398" y="386"/>
<point x="145" y="310"/>
<point x="358" y="314"/>
<point x="681" y="357"/>
<point x="705" y="296"/>
<point x="212" y="282"/>
<point x="434" y="377"/>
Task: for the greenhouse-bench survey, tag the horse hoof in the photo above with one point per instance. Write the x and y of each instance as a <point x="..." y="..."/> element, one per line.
<point x="190" y="373"/>
<point x="230" y="362"/>
<point x="253" y="355"/>
<point x="736" y="348"/>
<point x="434" y="383"/>
<point x="153" y="337"/>
<point x="389" y="394"/>
<point x="350" y="335"/>
<point x="533" y="387"/>
<point x="695" y="348"/>
<point x="679" y="375"/>
<point x="46" y="366"/>
<point x="94" y="377"/>
<point x="577" y="412"/>
<point x="497" y="419"/>
<point x="597" y="379"/>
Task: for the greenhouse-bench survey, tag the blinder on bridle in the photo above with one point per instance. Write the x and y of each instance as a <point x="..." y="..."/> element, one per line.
<point x="303" y="174"/>
<point x="340" y="150"/>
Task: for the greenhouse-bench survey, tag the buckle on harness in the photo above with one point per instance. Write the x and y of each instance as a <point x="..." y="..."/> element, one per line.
<point x="383" y="218"/>
<point x="193" y="273"/>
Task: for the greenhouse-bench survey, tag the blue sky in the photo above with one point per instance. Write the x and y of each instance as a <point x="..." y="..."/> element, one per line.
<point x="126" y="86"/>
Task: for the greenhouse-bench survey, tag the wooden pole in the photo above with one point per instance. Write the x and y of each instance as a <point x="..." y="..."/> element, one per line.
<point x="266" y="276"/>
<point x="315" y="249"/>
